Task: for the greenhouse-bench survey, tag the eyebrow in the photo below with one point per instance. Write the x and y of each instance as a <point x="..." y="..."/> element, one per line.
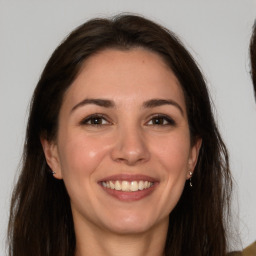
<point x="110" y="104"/>
<point x="99" y="102"/>
<point x="160" y="102"/>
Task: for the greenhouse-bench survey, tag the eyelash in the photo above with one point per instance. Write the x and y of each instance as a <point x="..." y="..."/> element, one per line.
<point x="165" y="120"/>
<point x="95" y="117"/>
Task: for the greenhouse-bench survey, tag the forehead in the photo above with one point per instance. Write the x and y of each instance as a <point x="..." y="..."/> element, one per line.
<point x="135" y="74"/>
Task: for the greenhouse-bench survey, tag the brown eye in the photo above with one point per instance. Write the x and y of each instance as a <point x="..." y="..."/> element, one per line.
<point x="95" y="120"/>
<point x="161" y="120"/>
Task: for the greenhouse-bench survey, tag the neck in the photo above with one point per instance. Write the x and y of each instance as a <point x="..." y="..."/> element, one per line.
<point x="101" y="242"/>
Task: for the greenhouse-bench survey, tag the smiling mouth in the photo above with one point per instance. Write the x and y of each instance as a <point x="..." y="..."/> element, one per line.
<point x="127" y="186"/>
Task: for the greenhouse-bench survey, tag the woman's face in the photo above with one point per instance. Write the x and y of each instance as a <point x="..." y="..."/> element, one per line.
<point x="123" y="146"/>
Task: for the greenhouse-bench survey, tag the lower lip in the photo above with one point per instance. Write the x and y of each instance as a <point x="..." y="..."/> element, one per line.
<point x="130" y="196"/>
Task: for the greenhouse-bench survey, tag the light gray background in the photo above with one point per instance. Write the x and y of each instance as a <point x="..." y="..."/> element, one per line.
<point x="216" y="32"/>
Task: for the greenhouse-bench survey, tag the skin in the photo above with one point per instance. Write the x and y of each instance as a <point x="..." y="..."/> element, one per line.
<point x="132" y="138"/>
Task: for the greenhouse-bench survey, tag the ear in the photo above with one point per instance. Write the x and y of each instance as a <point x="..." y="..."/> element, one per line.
<point x="194" y="153"/>
<point x="52" y="157"/>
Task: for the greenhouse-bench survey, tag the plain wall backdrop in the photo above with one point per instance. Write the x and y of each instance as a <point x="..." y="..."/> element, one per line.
<point x="217" y="33"/>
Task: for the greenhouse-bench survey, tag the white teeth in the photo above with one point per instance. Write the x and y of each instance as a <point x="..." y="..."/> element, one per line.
<point x="134" y="186"/>
<point x="117" y="185"/>
<point x="141" y="185"/>
<point x="112" y="185"/>
<point x="127" y="185"/>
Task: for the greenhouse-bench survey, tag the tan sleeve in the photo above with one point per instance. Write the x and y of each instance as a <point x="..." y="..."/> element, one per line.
<point x="235" y="254"/>
<point x="250" y="250"/>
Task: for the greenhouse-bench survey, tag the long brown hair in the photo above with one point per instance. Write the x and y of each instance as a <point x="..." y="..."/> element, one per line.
<point x="41" y="221"/>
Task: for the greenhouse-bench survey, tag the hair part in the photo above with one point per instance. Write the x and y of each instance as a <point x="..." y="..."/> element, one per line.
<point x="41" y="219"/>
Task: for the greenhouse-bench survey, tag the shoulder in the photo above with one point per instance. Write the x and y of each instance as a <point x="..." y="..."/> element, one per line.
<point x="248" y="251"/>
<point x="237" y="253"/>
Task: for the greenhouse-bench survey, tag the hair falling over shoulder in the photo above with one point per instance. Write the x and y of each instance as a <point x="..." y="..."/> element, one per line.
<point x="41" y="221"/>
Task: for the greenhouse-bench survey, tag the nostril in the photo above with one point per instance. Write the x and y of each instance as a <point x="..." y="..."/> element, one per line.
<point x="130" y="147"/>
<point x="130" y="157"/>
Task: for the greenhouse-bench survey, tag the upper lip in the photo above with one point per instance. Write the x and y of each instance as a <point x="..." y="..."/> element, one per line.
<point x="129" y="177"/>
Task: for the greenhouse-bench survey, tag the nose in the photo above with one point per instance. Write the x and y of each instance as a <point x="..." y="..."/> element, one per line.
<point x="130" y="147"/>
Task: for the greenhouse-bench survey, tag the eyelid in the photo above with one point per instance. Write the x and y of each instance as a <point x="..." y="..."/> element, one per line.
<point x="171" y="121"/>
<point x="85" y="120"/>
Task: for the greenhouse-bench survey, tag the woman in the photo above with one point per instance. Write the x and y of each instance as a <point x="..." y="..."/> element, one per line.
<point x="122" y="154"/>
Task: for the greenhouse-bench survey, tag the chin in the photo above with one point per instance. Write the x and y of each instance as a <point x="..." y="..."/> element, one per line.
<point x="132" y="224"/>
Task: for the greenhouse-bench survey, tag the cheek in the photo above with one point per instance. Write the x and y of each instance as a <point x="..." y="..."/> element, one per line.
<point x="171" y="157"/>
<point x="174" y="152"/>
<point x="81" y="155"/>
